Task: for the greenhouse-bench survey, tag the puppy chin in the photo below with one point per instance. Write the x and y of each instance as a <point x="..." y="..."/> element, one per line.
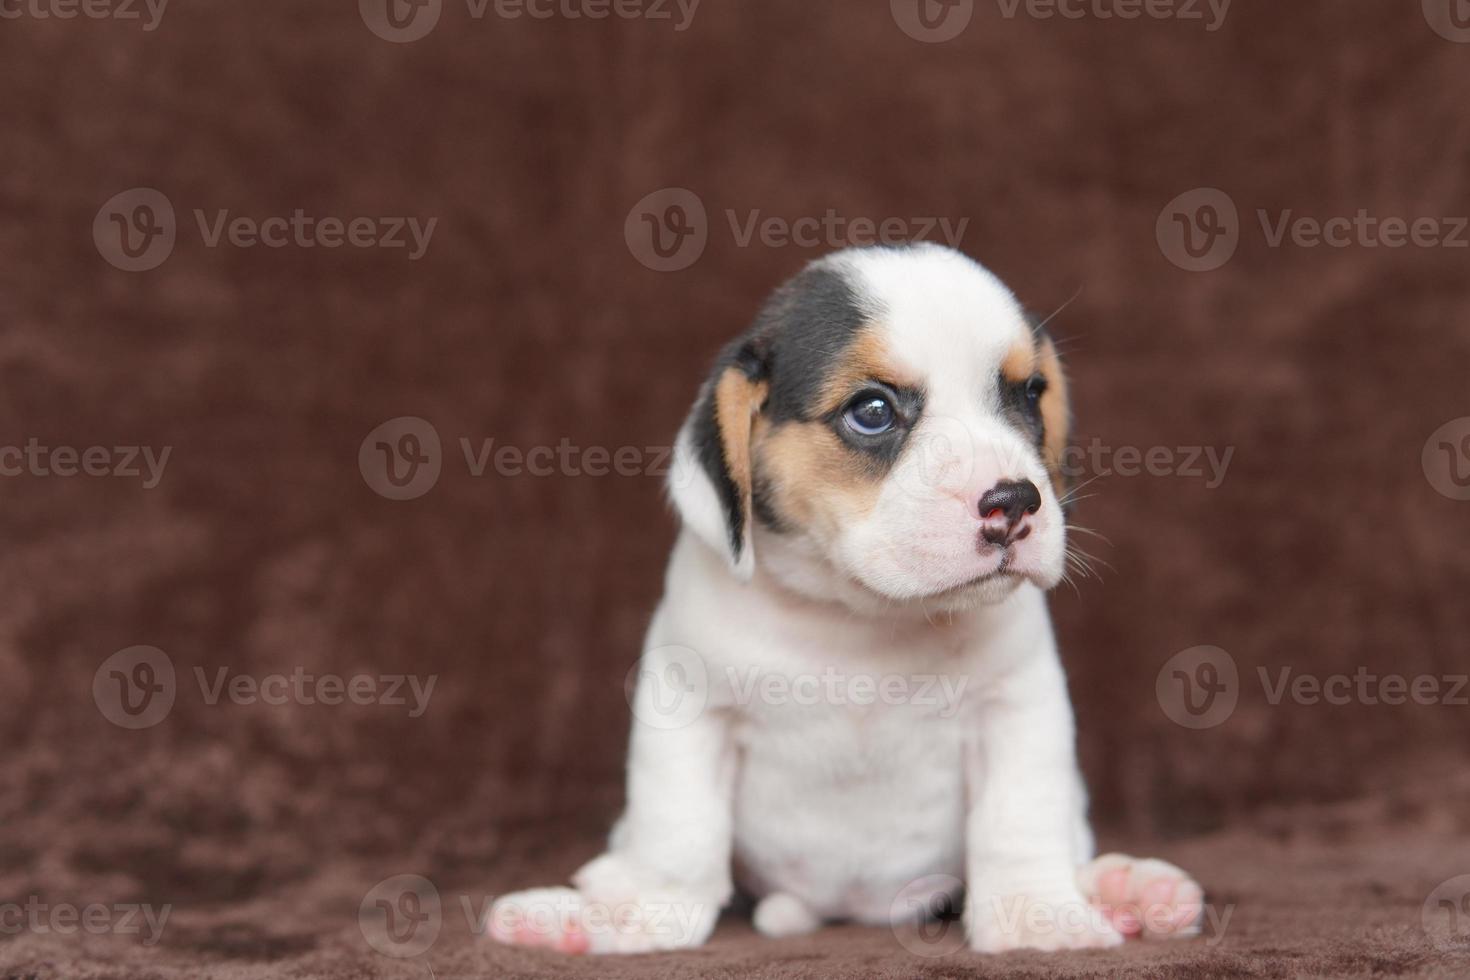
<point x="984" y="586"/>
<point x="985" y="592"/>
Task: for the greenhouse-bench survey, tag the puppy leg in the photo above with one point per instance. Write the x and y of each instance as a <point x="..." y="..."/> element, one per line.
<point x="666" y="873"/>
<point x="779" y="915"/>
<point x="1022" y="834"/>
<point x="1144" y="897"/>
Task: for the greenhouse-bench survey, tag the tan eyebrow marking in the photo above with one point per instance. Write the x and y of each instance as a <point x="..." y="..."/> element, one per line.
<point x="1020" y="363"/>
<point x="866" y="359"/>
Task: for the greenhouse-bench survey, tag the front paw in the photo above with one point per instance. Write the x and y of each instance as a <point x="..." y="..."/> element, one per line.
<point x="1062" y="920"/>
<point x="570" y="921"/>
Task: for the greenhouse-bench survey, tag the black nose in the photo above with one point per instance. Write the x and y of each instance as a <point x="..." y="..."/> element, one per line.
<point x="1009" y="499"/>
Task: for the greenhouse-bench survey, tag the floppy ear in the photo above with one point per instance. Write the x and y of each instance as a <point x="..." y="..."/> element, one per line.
<point x="710" y="481"/>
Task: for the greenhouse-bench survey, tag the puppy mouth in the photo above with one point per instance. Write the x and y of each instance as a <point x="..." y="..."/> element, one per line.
<point x="1001" y="572"/>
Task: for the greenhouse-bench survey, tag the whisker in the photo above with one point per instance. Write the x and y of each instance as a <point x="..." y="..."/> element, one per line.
<point x="1087" y="530"/>
<point x="1042" y="325"/>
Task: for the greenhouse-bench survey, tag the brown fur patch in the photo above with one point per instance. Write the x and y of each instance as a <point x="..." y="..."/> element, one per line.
<point x="737" y="400"/>
<point x="1056" y="412"/>
<point x="866" y="359"/>
<point x="1020" y="362"/>
<point x="815" y="481"/>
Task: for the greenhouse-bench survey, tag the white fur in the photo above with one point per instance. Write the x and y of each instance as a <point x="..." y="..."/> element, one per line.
<point x="832" y="807"/>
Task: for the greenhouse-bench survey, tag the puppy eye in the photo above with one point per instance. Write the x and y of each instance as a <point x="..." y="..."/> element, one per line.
<point x="1035" y="388"/>
<point x="870" y="415"/>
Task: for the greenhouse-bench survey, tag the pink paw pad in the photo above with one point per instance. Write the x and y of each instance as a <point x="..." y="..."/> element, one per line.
<point x="1145" y="898"/>
<point x="547" y="918"/>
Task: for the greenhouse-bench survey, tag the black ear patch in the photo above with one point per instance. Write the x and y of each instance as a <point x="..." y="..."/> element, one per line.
<point x="776" y="368"/>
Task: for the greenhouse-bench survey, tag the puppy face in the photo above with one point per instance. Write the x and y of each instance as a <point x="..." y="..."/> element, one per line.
<point x="891" y="420"/>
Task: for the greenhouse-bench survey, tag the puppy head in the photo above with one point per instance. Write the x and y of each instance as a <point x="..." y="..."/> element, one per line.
<point x="889" y="428"/>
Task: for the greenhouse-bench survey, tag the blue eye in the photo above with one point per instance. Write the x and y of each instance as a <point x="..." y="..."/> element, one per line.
<point x="870" y="415"/>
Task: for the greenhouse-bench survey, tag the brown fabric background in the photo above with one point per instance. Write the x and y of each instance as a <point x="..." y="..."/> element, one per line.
<point x="529" y="321"/>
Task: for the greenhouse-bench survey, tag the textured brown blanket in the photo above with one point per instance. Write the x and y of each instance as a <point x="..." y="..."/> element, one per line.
<point x="340" y="227"/>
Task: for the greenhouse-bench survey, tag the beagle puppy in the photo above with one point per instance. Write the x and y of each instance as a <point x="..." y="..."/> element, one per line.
<point x="872" y="509"/>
